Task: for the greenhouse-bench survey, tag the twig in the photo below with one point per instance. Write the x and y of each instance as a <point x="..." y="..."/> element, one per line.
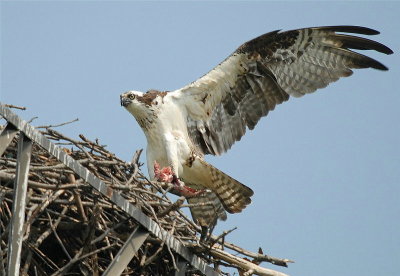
<point x="136" y="157"/>
<point x="102" y="236"/>
<point x="40" y="208"/>
<point x="35" y="184"/>
<point x="136" y="165"/>
<point x="58" y="125"/>
<point x="71" y="178"/>
<point x="49" y="230"/>
<point x="97" y="251"/>
<point x="31" y="120"/>
<point x="245" y="265"/>
<point x="256" y="256"/>
<point x="57" y="237"/>
<point x="15" y="106"/>
<point x="172" y="257"/>
<point x="222" y="236"/>
<point x="173" y="207"/>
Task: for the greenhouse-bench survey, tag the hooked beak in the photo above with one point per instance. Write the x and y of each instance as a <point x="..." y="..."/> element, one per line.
<point x="124" y="101"/>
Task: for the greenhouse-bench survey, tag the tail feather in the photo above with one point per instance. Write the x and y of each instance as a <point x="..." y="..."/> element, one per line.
<point x="208" y="209"/>
<point x="233" y="195"/>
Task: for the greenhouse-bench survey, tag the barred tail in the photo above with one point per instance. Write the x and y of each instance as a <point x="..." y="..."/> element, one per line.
<point x="233" y="195"/>
<point x="208" y="209"/>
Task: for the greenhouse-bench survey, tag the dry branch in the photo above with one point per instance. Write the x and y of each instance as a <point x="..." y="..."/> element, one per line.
<point x="14" y="106"/>
<point x="245" y="265"/>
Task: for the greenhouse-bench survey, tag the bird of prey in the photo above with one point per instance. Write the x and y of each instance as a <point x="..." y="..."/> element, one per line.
<point x="210" y="114"/>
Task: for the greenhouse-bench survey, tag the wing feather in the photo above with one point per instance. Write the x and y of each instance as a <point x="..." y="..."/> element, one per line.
<point x="265" y="72"/>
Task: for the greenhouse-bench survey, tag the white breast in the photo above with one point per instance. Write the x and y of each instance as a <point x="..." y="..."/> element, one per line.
<point x="167" y="140"/>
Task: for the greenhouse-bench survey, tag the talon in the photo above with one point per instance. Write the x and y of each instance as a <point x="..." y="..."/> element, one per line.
<point x="167" y="175"/>
<point x="187" y="191"/>
<point x="176" y="181"/>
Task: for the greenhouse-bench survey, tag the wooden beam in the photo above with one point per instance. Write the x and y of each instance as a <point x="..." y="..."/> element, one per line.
<point x="19" y="202"/>
<point x="127" y="252"/>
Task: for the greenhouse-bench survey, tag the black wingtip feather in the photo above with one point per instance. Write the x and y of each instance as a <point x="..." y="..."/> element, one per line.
<point x="379" y="66"/>
<point x="349" y="29"/>
<point x="362" y="61"/>
<point x="359" y="43"/>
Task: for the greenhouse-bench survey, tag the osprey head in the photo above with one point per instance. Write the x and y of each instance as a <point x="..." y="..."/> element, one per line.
<point x="130" y="99"/>
<point x="136" y="98"/>
<point x="134" y="103"/>
<point x="142" y="105"/>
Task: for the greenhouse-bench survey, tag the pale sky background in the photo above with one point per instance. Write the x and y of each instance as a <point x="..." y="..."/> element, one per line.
<point x="325" y="168"/>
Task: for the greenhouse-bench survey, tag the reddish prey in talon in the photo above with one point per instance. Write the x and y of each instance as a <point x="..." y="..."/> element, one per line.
<point x="167" y="175"/>
<point x="163" y="175"/>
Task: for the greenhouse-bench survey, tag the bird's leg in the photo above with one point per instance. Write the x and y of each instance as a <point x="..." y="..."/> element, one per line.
<point x="167" y="175"/>
<point x="183" y="189"/>
<point x="203" y="234"/>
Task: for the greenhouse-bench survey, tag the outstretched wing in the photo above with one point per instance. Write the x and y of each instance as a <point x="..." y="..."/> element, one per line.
<point x="266" y="71"/>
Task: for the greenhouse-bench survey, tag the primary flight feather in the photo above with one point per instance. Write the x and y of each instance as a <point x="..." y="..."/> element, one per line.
<point x="209" y="115"/>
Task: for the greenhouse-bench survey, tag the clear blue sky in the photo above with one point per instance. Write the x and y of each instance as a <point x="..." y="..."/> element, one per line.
<point x="325" y="168"/>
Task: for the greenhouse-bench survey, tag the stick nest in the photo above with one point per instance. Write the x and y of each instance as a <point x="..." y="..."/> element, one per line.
<point x="71" y="229"/>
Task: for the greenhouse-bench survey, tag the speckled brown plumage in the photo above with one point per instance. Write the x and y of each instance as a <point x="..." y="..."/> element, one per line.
<point x="148" y="97"/>
<point x="278" y="65"/>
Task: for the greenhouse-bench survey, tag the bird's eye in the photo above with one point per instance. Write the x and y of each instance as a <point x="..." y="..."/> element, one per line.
<point x="132" y="96"/>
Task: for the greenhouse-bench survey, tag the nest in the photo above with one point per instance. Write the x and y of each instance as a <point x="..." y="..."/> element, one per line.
<point x="71" y="229"/>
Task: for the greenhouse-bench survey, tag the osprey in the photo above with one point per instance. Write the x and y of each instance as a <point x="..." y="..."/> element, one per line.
<point x="209" y="115"/>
